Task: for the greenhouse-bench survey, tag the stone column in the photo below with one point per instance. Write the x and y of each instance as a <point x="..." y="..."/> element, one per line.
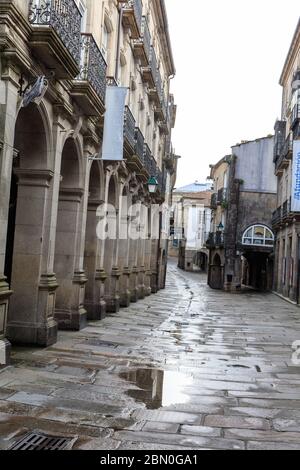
<point x="69" y="310"/>
<point x="31" y="314"/>
<point x="133" y="256"/>
<point x="141" y="251"/>
<point x="148" y="243"/>
<point x="155" y="245"/>
<point x="8" y="110"/>
<point x="124" y="245"/>
<point x="94" y="303"/>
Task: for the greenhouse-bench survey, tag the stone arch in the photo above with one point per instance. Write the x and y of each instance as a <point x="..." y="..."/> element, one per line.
<point x="32" y="125"/>
<point x="111" y="287"/>
<point x="69" y="308"/>
<point x="93" y="246"/>
<point x="31" y="309"/>
<point x="124" y="245"/>
<point x="113" y="190"/>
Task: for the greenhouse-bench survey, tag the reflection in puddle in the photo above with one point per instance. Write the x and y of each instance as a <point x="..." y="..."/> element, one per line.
<point x="158" y="388"/>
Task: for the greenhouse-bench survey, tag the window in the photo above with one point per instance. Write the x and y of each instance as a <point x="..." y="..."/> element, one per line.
<point x="105" y="41"/>
<point x="258" y="235"/>
<point x="83" y="12"/>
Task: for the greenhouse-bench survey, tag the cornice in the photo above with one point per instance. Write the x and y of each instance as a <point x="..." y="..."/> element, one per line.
<point x="294" y="47"/>
<point x="160" y="13"/>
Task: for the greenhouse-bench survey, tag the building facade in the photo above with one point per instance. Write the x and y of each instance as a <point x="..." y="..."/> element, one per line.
<point x="286" y="217"/>
<point x="191" y="217"/>
<point x="241" y="242"/>
<point x="57" y="60"/>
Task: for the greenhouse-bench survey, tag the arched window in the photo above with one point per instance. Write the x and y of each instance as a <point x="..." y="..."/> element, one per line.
<point x="258" y="235"/>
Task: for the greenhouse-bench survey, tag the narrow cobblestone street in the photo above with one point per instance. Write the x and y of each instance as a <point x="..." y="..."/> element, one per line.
<point x="188" y="368"/>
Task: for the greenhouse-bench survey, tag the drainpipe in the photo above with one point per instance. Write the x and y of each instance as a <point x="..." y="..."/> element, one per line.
<point x="120" y="9"/>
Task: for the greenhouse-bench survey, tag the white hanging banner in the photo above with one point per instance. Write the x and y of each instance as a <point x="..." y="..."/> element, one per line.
<point x="113" y="135"/>
<point x="295" y="203"/>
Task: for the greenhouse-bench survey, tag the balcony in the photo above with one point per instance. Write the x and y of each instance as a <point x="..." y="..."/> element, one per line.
<point x="148" y="161"/>
<point x="276" y="217"/>
<point x="139" y="144"/>
<point x="214" y="201"/>
<point x="135" y="156"/>
<point x="161" y="113"/>
<point x="285" y="155"/>
<point x="215" y="240"/>
<point x="129" y="132"/>
<point x="156" y="92"/>
<point x="222" y="196"/>
<point x="280" y="132"/>
<point x="90" y="86"/>
<point x="56" y="35"/>
<point x="287" y="215"/>
<point x="142" y="46"/>
<point x="132" y="17"/>
<point x="295" y="116"/>
<point x="284" y="214"/>
<point x="162" y="181"/>
<point x="149" y="73"/>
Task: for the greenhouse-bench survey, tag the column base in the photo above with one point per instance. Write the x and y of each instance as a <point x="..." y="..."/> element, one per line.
<point x="39" y="335"/>
<point x="72" y="321"/>
<point x="113" y="305"/>
<point x="148" y="291"/>
<point x="141" y="292"/>
<point x="96" y="312"/>
<point x="5" y="350"/>
<point x="134" y="295"/>
<point x="125" y="299"/>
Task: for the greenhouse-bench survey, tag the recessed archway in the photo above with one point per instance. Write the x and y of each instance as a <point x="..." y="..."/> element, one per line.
<point x="92" y="264"/>
<point x="112" y="297"/>
<point x="69" y="307"/>
<point x="30" y="318"/>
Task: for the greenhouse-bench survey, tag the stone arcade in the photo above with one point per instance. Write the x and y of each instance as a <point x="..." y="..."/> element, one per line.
<point x="54" y="272"/>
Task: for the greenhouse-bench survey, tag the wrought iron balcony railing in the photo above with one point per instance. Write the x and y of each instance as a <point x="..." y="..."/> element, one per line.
<point x="153" y="63"/>
<point x="139" y="144"/>
<point x="214" y="201"/>
<point x="129" y="128"/>
<point x="222" y="196"/>
<point x="287" y="149"/>
<point x="132" y="17"/>
<point x="162" y="182"/>
<point x="295" y="116"/>
<point x="276" y="217"/>
<point x="280" y="131"/>
<point x="93" y="66"/>
<point x="64" y="17"/>
<point x="142" y="45"/>
<point x="146" y="37"/>
<point x="148" y="160"/>
<point x="282" y="161"/>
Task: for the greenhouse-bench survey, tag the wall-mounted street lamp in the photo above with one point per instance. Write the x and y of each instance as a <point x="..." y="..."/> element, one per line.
<point x="152" y="185"/>
<point x="220" y="227"/>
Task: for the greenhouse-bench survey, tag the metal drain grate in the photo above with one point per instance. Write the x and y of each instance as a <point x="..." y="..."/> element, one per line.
<point x="39" y="441"/>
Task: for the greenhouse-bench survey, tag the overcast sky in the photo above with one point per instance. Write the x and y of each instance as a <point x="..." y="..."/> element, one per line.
<point x="229" y="55"/>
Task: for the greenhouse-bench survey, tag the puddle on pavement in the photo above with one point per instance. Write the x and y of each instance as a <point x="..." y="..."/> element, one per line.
<point x="158" y="388"/>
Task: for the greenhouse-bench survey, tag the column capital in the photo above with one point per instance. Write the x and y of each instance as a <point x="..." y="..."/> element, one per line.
<point x="29" y="177"/>
<point x="71" y="194"/>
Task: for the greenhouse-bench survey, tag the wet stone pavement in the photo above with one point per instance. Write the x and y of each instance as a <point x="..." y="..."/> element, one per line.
<point x="188" y="368"/>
